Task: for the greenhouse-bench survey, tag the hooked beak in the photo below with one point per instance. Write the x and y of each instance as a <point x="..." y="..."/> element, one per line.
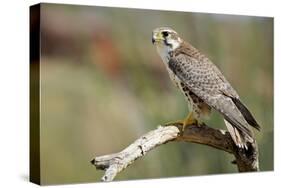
<point x="156" y="37"/>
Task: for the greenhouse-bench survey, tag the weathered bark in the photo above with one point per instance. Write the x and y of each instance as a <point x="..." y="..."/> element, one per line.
<point x="246" y="160"/>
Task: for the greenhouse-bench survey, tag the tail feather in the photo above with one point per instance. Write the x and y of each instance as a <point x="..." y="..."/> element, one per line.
<point x="240" y="139"/>
<point x="246" y="113"/>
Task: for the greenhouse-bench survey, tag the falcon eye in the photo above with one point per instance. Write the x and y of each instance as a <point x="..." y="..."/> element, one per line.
<point x="165" y="33"/>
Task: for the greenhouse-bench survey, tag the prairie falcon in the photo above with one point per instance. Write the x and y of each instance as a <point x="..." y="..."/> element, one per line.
<point x="203" y="85"/>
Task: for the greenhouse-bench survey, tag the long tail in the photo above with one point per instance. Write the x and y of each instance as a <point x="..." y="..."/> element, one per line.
<point x="239" y="138"/>
<point x="242" y="136"/>
<point x="246" y="113"/>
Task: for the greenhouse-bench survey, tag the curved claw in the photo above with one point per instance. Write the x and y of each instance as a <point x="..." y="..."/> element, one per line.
<point x="189" y="120"/>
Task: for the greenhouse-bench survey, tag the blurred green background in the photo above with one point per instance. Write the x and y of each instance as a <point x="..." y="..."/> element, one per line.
<point x="103" y="85"/>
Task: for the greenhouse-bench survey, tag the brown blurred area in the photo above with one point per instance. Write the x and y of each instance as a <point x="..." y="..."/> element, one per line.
<point x="103" y="85"/>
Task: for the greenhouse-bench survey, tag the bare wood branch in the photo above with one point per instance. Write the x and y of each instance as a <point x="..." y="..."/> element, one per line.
<point x="246" y="160"/>
<point x="114" y="163"/>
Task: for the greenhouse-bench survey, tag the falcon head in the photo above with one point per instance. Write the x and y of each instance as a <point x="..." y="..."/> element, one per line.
<point x="166" y="40"/>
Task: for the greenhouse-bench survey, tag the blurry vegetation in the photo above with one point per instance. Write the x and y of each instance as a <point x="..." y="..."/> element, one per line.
<point x="103" y="85"/>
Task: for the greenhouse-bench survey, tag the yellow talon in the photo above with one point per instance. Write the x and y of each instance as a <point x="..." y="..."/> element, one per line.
<point x="189" y="120"/>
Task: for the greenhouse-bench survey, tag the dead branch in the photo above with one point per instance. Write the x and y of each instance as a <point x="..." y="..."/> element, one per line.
<point x="246" y="160"/>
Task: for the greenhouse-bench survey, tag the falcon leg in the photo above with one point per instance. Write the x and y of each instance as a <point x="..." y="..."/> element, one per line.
<point x="189" y="120"/>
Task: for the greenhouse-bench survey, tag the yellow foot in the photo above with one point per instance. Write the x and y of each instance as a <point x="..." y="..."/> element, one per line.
<point x="189" y="120"/>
